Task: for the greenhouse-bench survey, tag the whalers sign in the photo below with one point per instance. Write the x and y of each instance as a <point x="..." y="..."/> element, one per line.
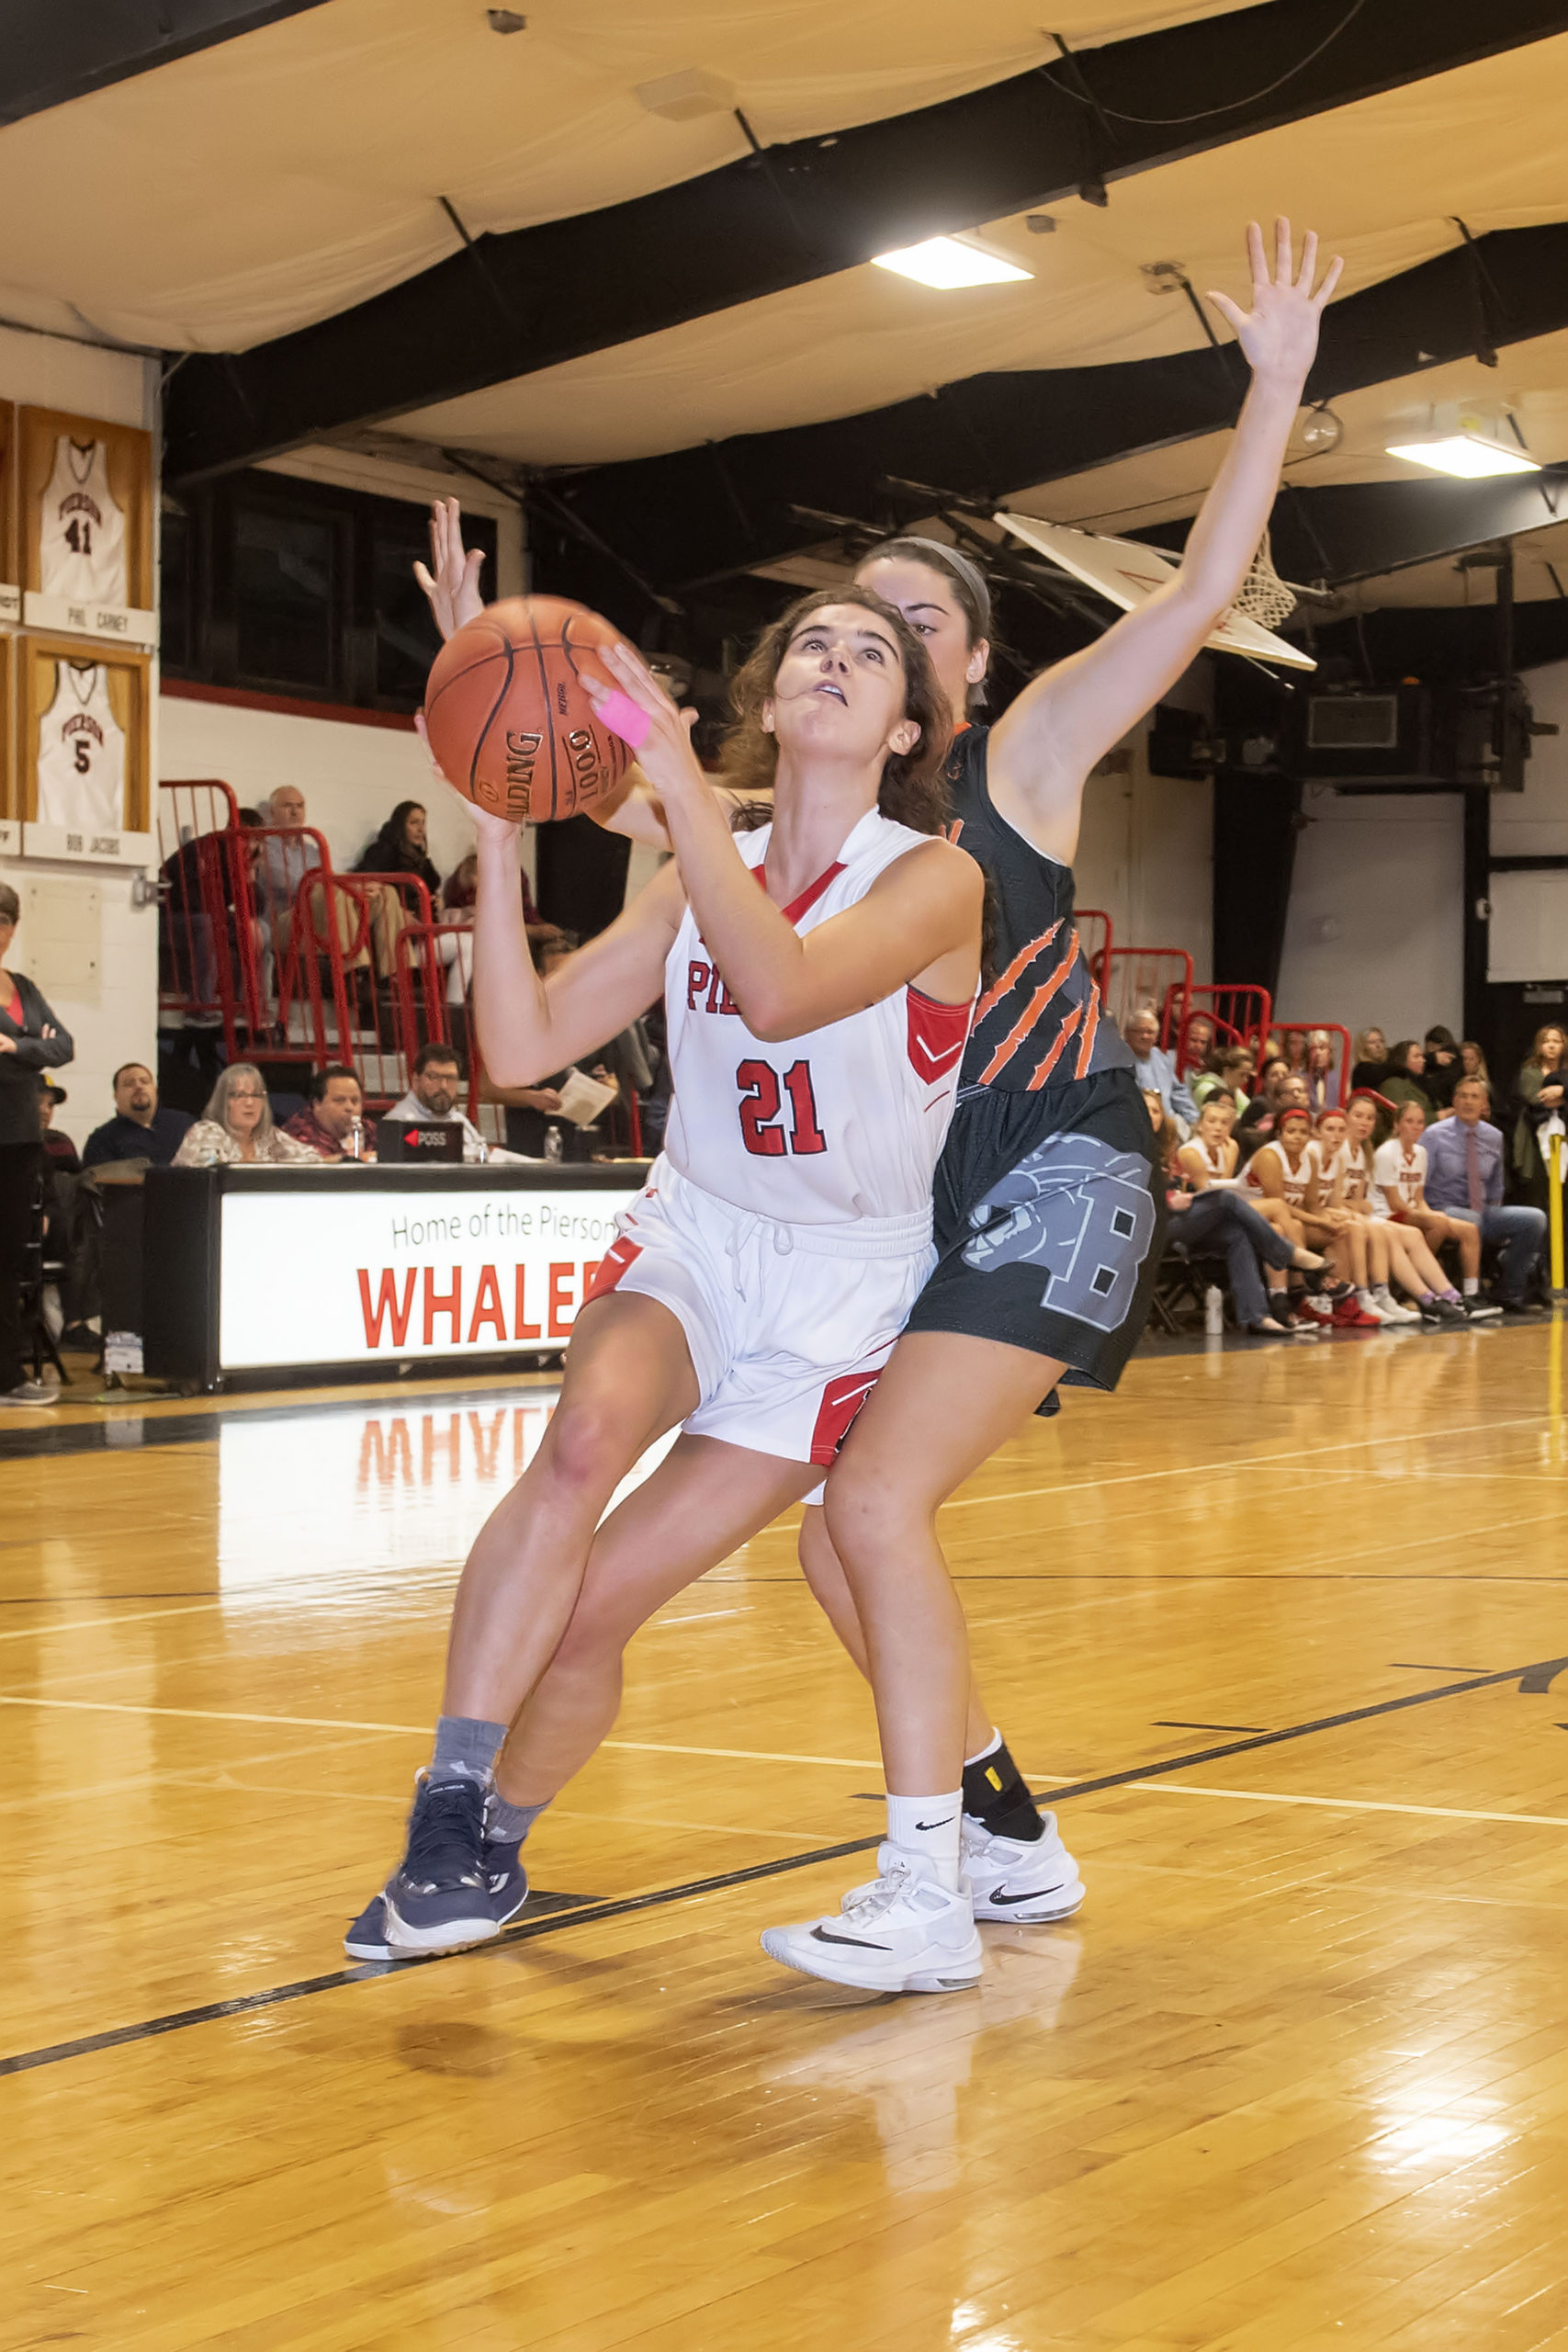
<point x="358" y="1277"/>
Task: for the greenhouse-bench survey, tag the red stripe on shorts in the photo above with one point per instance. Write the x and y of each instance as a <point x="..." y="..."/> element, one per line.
<point x="842" y="1400"/>
<point x="611" y="1267"/>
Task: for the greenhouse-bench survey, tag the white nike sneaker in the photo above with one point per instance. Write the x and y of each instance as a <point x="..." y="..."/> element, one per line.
<point x="1373" y="1307"/>
<point x="905" y="1932"/>
<point x="1028" y="1883"/>
<point x="1392" y="1309"/>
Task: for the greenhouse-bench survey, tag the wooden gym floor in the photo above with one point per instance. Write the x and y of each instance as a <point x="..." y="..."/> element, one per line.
<point x="1284" y="1627"/>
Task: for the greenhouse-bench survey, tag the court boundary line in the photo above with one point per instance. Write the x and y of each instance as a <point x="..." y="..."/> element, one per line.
<point x="1352" y="1804"/>
<point x="1534" y="1673"/>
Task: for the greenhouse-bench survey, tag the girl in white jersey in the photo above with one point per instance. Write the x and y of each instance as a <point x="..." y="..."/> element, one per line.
<point x="1390" y="1252"/>
<point x="1399" y="1195"/>
<point x="816" y="1028"/>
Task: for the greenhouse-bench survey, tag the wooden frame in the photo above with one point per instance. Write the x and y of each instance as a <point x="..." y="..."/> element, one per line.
<point x="127" y="457"/>
<point x="10" y="799"/>
<point x="129" y="678"/>
<point x="9" y="555"/>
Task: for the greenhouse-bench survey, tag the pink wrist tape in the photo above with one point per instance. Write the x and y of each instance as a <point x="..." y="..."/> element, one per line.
<point x="625" y="718"/>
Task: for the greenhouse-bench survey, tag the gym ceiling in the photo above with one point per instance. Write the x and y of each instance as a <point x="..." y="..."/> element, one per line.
<point x="618" y="256"/>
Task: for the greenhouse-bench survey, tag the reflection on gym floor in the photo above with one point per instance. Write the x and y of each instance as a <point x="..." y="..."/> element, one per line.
<point x="347" y="1495"/>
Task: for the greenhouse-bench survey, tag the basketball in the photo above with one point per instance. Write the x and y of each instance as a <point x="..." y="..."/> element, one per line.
<point x="507" y="711"/>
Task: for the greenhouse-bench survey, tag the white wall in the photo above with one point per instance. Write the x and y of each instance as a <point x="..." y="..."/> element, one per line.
<point x="1534" y="822"/>
<point x="1375" y="931"/>
<point x="352" y="775"/>
<point x="115" y="1020"/>
<point x="1146" y="848"/>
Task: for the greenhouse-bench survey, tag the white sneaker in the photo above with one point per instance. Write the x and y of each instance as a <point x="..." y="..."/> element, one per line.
<point x="1373" y="1307"/>
<point x="905" y="1932"/>
<point x="1029" y="1882"/>
<point x="1392" y="1309"/>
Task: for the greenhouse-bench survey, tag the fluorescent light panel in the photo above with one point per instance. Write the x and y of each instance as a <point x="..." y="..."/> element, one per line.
<point x="1466" y="454"/>
<point x="947" y="260"/>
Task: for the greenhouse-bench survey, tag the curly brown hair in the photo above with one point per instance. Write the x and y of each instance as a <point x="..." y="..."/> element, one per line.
<point x="913" y="791"/>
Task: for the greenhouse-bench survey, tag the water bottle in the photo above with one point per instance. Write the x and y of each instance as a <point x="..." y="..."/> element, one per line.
<point x="1214" y="1310"/>
<point x="552" y="1143"/>
<point x="355" y="1139"/>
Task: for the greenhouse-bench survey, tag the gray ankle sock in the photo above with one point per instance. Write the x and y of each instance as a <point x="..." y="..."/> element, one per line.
<point x="465" y="1749"/>
<point x="508" y="1824"/>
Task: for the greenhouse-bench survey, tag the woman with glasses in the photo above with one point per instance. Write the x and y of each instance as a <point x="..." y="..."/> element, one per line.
<point x="236" y="1130"/>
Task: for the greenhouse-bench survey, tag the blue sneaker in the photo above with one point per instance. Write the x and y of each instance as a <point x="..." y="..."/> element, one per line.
<point x="439" y="1899"/>
<point x="508" y="1880"/>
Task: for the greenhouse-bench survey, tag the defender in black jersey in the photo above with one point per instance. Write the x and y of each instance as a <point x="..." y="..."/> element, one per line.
<point x="1046" y="1207"/>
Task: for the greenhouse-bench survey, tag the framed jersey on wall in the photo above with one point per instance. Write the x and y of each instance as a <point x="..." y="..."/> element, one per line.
<point x="85" y="789"/>
<point x="84" y="520"/>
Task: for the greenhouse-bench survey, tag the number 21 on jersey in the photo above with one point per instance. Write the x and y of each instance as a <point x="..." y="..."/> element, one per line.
<point x="767" y="1133"/>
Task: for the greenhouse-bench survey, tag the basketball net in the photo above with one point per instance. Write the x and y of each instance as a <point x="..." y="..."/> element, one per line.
<point x="1263" y="597"/>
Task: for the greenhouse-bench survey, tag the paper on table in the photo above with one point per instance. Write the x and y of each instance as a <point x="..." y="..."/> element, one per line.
<point x="582" y="1098"/>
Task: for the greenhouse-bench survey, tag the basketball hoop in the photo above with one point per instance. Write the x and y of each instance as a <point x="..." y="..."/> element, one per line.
<point x="1263" y="597"/>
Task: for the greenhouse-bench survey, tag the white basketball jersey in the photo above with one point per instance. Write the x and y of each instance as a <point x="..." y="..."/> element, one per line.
<point x="1398" y="1176"/>
<point x="839" y="1123"/>
<point x="1216" y="1159"/>
<point x="80" y="755"/>
<point x="1343" y="1167"/>
<point x="82" y="547"/>
<point x="1294" y="1181"/>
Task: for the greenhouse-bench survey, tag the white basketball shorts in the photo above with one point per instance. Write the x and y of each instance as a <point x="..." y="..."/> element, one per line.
<point x="788" y="1325"/>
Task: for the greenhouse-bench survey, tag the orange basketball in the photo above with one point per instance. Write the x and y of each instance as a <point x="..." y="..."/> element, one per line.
<point x="508" y="714"/>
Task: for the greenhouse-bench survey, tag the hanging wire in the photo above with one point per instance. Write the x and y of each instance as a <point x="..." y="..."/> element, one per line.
<point x="1167" y="121"/>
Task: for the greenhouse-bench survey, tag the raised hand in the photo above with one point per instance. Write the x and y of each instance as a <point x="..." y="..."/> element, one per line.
<point x="1278" y="333"/>
<point x="452" y="584"/>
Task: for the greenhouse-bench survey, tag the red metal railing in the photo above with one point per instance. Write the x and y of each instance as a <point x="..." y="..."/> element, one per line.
<point x="204" y="870"/>
<point x="1239" y="1015"/>
<point x="1095" y="937"/>
<point x="1160" y="976"/>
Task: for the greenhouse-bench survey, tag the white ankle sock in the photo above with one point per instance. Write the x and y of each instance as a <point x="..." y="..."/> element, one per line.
<point x="990" y="1748"/>
<point x="1472" y="1287"/>
<point x="929" y="1825"/>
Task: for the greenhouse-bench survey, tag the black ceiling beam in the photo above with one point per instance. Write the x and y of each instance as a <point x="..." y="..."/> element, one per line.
<point x="699" y="512"/>
<point x="506" y="306"/>
<point x="1342" y="532"/>
<point x="53" y="52"/>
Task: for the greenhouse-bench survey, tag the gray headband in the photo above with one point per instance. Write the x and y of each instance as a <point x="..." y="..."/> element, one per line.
<point x="947" y="560"/>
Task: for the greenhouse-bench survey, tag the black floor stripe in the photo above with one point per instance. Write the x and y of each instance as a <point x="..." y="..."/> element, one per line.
<point x="1537" y="1675"/>
<point x="1169" y="1722"/>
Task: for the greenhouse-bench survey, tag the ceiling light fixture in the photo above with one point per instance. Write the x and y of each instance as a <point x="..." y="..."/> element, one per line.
<point x="945" y="262"/>
<point x="1469" y="455"/>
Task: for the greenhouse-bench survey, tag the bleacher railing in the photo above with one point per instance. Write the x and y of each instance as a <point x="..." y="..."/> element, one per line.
<point x="1237" y="1015"/>
<point x="1095" y="937"/>
<point x="1160" y="976"/>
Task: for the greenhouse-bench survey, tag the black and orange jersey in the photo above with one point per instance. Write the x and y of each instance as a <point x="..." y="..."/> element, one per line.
<point x="1040" y="1021"/>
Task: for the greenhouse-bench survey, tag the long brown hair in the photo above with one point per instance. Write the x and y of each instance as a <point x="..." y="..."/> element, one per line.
<point x="913" y="791"/>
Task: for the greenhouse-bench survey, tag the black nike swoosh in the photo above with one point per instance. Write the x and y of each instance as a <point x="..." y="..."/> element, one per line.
<point x="937" y="1825"/>
<point x="860" y="1943"/>
<point x="1033" y="1896"/>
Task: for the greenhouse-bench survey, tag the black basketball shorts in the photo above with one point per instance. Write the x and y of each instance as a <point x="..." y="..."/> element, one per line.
<point x="1046" y="1224"/>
